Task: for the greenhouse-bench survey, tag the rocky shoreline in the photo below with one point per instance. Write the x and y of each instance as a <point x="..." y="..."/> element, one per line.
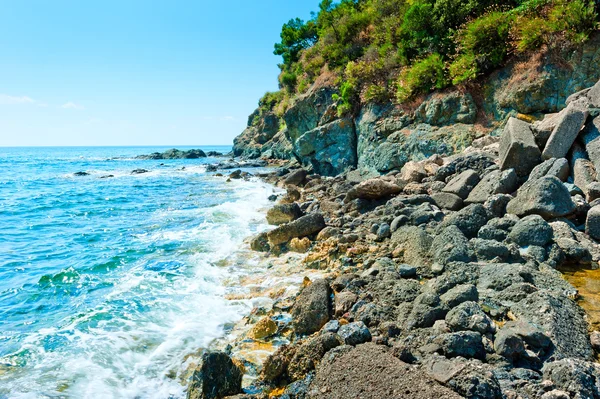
<point x="436" y="280"/>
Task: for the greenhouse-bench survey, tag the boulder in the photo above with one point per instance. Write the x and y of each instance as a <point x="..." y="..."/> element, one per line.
<point x="260" y="243"/>
<point x="372" y="189"/>
<point x="590" y="136"/>
<point x="413" y="172"/>
<point x="355" y="333"/>
<point x="310" y="353"/>
<point x="296" y="177"/>
<point x="467" y="344"/>
<point x="518" y="149"/>
<point x="531" y="230"/>
<point x="509" y="344"/>
<point x="312" y="308"/>
<point x="592" y="224"/>
<point x="594" y="95"/>
<point x="566" y="131"/>
<point x="584" y="174"/>
<point x="283" y="213"/>
<point x="557" y="167"/>
<point x="448" y="201"/>
<point x="215" y="377"/>
<point x="330" y="149"/>
<point x="468" y="316"/>
<point x="547" y="197"/>
<point x="496" y="182"/>
<point x="370" y="371"/>
<point x="302" y="227"/>
<point x="450" y="246"/>
<point x="459" y="294"/>
<point x="579" y="379"/>
<point x="469" y="220"/>
<point x="462" y="184"/>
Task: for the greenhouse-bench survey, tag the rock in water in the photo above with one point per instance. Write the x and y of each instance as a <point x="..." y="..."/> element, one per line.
<point x="566" y="131"/>
<point x="312" y="308"/>
<point x="302" y="227"/>
<point x="547" y="197"/>
<point x="518" y="149"/>
<point x="215" y="377"/>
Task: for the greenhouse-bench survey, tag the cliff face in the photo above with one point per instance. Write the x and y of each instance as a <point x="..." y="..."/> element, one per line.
<point x="383" y="137"/>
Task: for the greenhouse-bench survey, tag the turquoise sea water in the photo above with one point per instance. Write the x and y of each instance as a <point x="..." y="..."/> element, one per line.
<point x="107" y="284"/>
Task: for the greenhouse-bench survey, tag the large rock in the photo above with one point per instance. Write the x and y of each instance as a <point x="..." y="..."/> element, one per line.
<point x="447" y="201"/>
<point x="462" y="184"/>
<point x="594" y="95"/>
<point x="450" y="246"/>
<point x="310" y="353"/>
<point x="566" y="131"/>
<point x="467" y="344"/>
<point x="312" y="308"/>
<point x="496" y="182"/>
<point x="518" y="149"/>
<point x="557" y="167"/>
<point x="372" y="189"/>
<point x="584" y="174"/>
<point x="215" y="377"/>
<point x="370" y="371"/>
<point x="283" y="213"/>
<point x="592" y="224"/>
<point x="591" y="139"/>
<point x="469" y="220"/>
<point x="330" y="149"/>
<point x="302" y="227"/>
<point x="579" y="379"/>
<point x="531" y="230"/>
<point x="547" y="197"/>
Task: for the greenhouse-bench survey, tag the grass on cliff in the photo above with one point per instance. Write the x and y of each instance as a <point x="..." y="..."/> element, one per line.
<point x="381" y="50"/>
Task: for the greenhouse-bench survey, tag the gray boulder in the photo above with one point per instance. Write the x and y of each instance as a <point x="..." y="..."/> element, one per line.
<point x="469" y="220"/>
<point x="467" y="344"/>
<point x="532" y="230"/>
<point x="547" y="197"/>
<point x="584" y="174"/>
<point x="448" y="201"/>
<point x="592" y="224"/>
<point x="518" y="149"/>
<point x="509" y="344"/>
<point x="594" y="95"/>
<point x="355" y="333"/>
<point x="462" y="184"/>
<point x="496" y="182"/>
<point x="301" y="227"/>
<point x="283" y="213"/>
<point x="578" y="378"/>
<point x="468" y="316"/>
<point x="312" y="308"/>
<point x="487" y="250"/>
<point x="557" y="167"/>
<point x="372" y="189"/>
<point x="450" y="246"/>
<point x="215" y="377"/>
<point x="590" y="136"/>
<point x="296" y="177"/>
<point x="566" y="131"/>
<point x="459" y="294"/>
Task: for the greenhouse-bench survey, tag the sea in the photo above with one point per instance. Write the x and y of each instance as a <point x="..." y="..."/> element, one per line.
<point x="109" y="284"/>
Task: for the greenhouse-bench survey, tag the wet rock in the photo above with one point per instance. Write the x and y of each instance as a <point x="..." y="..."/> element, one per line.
<point x="260" y="243"/>
<point x="302" y="227"/>
<point x="469" y="220"/>
<point x="566" y="131"/>
<point x="467" y="344"/>
<point x="592" y="224"/>
<point x="462" y="184"/>
<point x="372" y="189"/>
<point x="531" y="230"/>
<point x="139" y="171"/>
<point x="263" y="329"/>
<point x="496" y="182"/>
<point x="448" y="201"/>
<point x="296" y="178"/>
<point x="468" y="316"/>
<point x="312" y="308"/>
<point x="79" y="174"/>
<point x="355" y="333"/>
<point x="547" y="197"/>
<point x="215" y="377"/>
<point x="518" y="149"/>
<point x="275" y="366"/>
<point x="283" y="213"/>
<point x="175" y="154"/>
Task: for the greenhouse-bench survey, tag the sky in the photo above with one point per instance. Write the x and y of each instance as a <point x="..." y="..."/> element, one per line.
<point x="136" y="72"/>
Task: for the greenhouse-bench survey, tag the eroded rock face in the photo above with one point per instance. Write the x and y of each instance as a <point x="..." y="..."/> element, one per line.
<point x="215" y="377"/>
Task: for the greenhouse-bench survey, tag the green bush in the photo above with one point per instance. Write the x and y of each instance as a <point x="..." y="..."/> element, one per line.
<point x="423" y="76"/>
<point x="463" y="69"/>
<point x="577" y="18"/>
<point x="530" y="33"/>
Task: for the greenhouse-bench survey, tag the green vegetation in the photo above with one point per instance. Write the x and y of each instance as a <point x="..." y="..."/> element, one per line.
<point x="377" y="50"/>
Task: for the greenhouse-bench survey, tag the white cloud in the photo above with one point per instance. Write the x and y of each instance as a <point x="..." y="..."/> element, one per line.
<point x="5" y="99"/>
<point x="72" y="105"/>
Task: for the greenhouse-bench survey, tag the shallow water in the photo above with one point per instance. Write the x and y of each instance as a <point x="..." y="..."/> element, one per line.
<point x="587" y="282"/>
<point x="107" y="284"/>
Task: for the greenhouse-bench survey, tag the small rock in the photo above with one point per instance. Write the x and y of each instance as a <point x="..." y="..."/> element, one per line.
<point x="296" y="178"/>
<point x="263" y="329"/>
<point x="593" y="191"/>
<point x="462" y="184"/>
<point x="468" y="316"/>
<point x="138" y="171"/>
<point x="496" y="182"/>
<point x="467" y="344"/>
<point x="592" y="224"/>
<point x="557" y="167"/>
<point x="260" y="243"/>
<point x="312" y="308"/>
<point x="301" y="227"/>
<point x="448" y="201"/>
<point x="299" y="245"/>
<point x="372" y="189"/>
<point x="459" y="294"/>
<point x="355" y="333"/>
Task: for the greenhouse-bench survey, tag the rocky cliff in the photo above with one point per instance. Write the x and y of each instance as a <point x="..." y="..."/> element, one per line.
<point x="379" y="138"/>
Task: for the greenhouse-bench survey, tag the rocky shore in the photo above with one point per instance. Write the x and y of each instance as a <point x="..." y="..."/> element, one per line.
<point x="440" y="279"/>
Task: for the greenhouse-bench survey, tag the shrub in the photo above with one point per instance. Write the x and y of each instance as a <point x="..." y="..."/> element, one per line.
<point x="463" y="69"/>
<point x="577" y="18"/>
<point x="423" y="76"/>
<point x="530" y="33"/>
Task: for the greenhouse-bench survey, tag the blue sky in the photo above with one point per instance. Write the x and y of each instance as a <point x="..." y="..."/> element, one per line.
<point x="133" y="72"/>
